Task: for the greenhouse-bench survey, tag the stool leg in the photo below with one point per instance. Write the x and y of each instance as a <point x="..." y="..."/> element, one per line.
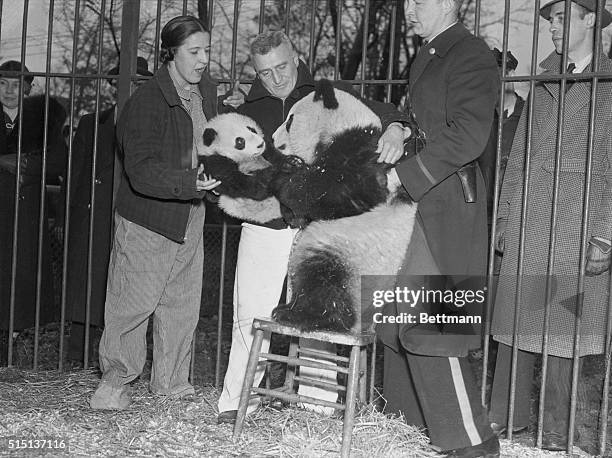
<point x="372" y="371"/>
<point x="363" y="374"/>
<point x="349" y="412"/>
<point x="248" y="383"/>
<point x="290" y="372"/>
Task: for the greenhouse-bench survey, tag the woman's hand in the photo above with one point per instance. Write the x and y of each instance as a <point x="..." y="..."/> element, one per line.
<point x="205" y="182"/>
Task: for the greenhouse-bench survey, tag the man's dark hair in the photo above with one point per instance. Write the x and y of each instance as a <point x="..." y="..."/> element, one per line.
<point x="175" y="32"/>
<point x="266" y="41"/>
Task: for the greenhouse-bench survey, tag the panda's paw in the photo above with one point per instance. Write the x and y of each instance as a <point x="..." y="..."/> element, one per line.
<point x="306" y="321"/>
<point x="292" y="164"/>
<point x="282" y="314"/>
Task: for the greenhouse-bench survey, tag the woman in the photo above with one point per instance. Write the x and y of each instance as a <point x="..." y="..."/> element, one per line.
<point x="156" y="262"/>
<point x="34" y="124"/>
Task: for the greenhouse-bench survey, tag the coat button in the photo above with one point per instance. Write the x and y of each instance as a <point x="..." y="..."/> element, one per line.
<point x="432" y="51"/>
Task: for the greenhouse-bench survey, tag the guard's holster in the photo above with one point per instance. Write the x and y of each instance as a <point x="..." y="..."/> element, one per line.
<point x="467" y="177"/>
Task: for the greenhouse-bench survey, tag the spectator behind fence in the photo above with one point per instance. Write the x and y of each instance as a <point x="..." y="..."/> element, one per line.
<point x="32" y="142"/>
<point x="513" y="107"/>
<point x="80" y="205"/>
<point x="156" y="261"/>
<point x="568" y="247"/>
<point x="453" y="92"/>
<point x="282" y="79"/>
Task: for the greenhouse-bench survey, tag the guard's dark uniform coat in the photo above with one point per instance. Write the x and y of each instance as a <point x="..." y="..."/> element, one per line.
<point x="454" y="85"/>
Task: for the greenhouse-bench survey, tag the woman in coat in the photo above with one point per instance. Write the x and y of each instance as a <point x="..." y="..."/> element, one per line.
<point x="156" y="262"/>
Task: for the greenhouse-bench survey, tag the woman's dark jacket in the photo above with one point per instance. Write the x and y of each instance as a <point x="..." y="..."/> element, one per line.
<point x="155" y="138"/>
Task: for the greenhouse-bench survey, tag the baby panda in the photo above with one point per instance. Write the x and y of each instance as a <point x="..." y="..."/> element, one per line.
<point x="233" y="153"/>
<point x="360" y="223"/>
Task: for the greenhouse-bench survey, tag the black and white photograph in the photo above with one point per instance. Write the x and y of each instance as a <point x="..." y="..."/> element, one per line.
<point x="306" y="228"/>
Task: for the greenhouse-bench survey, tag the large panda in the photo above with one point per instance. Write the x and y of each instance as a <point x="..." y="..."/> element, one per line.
<point x="360" y="222"/>
<point x="327" y="179"/>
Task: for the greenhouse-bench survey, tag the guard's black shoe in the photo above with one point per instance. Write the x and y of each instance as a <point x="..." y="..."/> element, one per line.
<point x="229" y="416"/>
<point x="486" y="449"/>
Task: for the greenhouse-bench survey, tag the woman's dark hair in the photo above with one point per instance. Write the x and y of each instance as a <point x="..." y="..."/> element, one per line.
<point x="175" y="32"/>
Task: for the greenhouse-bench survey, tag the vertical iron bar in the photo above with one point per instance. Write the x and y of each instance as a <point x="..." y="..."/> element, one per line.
<point x="156" y="44"/>
<point x="185" y="7"/>
<point x="67" y="198"/>
<point x="42" y="220"/>
<point x="220" y="308"/>
<point x="192" y="359"/>
<point x="583" y="231"/>
<point x="524" y="208"/>
<point x="496" y="186"/>
<point x="209" y="19"/>
<point x="364" y="44"/>
<point x="127" y="66"/>
<point x="287" y="8"/>
<point x="24" y="32"/>
<point x="41" y="223"/>
<point x="311" y="44"/>
<point x="92" y="195"/>
<point x="603" y="411"/>
<point x="262" y="12"/>
<point x="1" y="9"/>
<point x="393" y="20"/>
<point x="234" y="44"/>
<point x="338" y="39"/>
<point x="553" y="225"/>
<point x="477" y="12"/>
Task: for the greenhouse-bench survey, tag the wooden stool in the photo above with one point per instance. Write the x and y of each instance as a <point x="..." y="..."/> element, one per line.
<point x="356" y="371"/>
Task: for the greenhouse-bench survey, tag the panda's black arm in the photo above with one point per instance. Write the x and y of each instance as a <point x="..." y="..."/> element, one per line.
<point x="345" y="180"/>
<point x="235" y="183"/>
<point x="273" y="155"/>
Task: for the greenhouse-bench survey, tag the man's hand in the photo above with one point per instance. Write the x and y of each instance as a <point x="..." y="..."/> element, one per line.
<point x="391" y="144"/>
<point x="599" y="253"/>
<point x="205" y="182"/>
<point x="236" y="98"/>
<point x="500" y="235"/>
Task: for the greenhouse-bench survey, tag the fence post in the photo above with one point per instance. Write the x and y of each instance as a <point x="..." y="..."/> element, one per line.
<point x="127" y="66"/>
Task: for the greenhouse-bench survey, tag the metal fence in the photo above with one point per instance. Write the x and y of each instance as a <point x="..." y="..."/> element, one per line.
<point x="367" y="42"/>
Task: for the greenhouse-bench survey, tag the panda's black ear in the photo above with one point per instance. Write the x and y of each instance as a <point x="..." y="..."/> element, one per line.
<point x="324" y="89"/>
<point x="209" y="136"/>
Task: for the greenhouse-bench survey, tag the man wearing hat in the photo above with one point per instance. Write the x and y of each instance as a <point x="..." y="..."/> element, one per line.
<point x="570" y="252"/>
<point x="80" y="185"/>
<point x="38" y="129"/>
<point x="10" y="87"/>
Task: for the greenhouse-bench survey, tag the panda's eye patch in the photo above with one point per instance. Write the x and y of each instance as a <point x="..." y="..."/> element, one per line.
<point x="239" y="143"/>
<point x="251" y="129"/>
<point x="288" y="123"/>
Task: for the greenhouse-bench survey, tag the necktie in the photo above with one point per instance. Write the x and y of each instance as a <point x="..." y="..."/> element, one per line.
<point x="570" y="69"/>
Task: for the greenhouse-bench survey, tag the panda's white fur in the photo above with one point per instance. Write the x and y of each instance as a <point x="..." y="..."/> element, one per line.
<point x="257" y="211"/>
<point x="230" y="126"/>
<point x="322" y="124"/>
<point x="220" y="134"/>
<point x="329" y="257"/>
